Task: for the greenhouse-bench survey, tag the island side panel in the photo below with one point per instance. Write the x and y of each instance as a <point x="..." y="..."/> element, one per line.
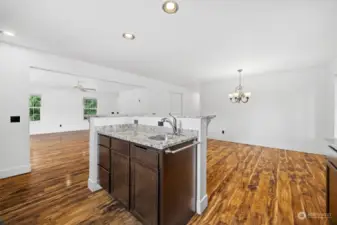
<point x="93" y="158"/>
<point x="202" y="163"/>
<point x="199" y="124"/>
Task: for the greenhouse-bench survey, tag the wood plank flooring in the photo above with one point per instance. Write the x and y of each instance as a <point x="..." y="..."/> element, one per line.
<point x="258" y="185"/>
<point x="246" y="185"/>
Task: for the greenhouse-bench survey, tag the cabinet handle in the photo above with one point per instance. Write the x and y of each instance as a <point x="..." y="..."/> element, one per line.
<point x="138" y="146"/>
<point x="169" y="151"/>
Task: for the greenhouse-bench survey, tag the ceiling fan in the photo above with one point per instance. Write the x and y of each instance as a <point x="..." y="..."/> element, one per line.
<point x="80" y="87"/>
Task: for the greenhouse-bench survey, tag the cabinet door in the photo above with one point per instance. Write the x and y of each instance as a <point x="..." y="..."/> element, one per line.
<point x="120" y="180"/>
<point x="144" y="193"/>
<point x="104" y="178"/>
<point x="104" y="157"/>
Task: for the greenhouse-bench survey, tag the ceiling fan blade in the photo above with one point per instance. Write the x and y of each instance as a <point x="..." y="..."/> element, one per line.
<point x="89" y="89"/>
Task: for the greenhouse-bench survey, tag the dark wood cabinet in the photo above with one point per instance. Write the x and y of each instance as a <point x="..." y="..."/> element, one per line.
<point x="145" y="155"/>
<point x="144" y="191"/>
<point x="120" y="178"/>
<point x="104" y="178"/>
<point x="156" y="187"/>
<point x="120" y="146"/>
<point x="332" y="192"/>
<point x="114" y="167"/>
<point x="104" y="157"/>
<point x="104" y="141"/>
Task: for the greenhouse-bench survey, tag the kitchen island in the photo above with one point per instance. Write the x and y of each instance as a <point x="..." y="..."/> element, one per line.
<point x="186" y="123"/>
<point x="150" y="171"/>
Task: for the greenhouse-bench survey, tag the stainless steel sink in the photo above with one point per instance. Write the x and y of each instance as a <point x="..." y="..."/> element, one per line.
<point x="159" y="137"/>
<point x="162" y="137"/>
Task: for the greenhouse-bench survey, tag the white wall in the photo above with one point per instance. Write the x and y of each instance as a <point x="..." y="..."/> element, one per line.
<point x="133" y="101"/>
<point x="14" y="137"/>
<point x="333" y="69"/>
<point x="291" y="110"/>
<point x="333" y="66"/>
<point x="65" y="107"/>
<point x="14" y="71"/>
<point x="155" y="100"/>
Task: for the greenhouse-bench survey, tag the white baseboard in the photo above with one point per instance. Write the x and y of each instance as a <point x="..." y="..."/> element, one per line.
<point x="93" y="186"/>
<point x="309" y="145"/>
<point x="202" y="204"/>
<point x="10" y="172"/>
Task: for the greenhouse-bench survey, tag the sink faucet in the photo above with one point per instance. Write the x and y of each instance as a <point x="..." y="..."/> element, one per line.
<point x="173" y="124"/>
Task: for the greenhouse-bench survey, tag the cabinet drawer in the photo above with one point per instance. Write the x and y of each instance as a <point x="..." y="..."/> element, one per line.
<point x="104" y="157"/>
<point x="145" y="155"/>
<point x="120" y="146"/>
<point x="104" y="178"/>
<point x="104" y="140"/>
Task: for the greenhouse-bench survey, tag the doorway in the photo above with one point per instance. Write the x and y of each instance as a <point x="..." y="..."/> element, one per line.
<point x="176" y="102"/>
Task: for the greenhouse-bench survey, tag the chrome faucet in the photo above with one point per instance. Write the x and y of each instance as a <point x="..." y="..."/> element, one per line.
<point x="173" y="124"/>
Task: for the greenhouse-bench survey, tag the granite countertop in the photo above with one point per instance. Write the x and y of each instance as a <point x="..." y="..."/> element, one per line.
<point x="140" y="134"/>
<point x="152" y="115"/>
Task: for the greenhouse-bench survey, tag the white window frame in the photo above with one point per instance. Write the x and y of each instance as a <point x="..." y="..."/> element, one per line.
<point x="89" y="98"/>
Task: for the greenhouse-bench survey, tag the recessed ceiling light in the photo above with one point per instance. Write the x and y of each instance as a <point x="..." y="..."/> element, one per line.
<point x="129" y="36"/>
<point x="7" y="33"/>
<point x="170" y="7"/>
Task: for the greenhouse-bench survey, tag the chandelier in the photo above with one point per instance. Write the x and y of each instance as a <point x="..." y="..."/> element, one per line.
<point x="238" y="95"/>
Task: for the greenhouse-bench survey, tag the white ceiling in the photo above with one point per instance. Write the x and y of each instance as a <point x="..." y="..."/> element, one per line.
<point x="205" y="40"/>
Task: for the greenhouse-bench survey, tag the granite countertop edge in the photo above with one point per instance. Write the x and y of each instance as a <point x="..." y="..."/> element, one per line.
<point x="150" y="115"/>
<point x="140" y="134"/>
<point x="159" y="146"/>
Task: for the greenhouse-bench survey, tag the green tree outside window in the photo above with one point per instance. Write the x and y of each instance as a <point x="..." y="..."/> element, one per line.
<point x="35" y="108"/>
<point x="90" y="107"/>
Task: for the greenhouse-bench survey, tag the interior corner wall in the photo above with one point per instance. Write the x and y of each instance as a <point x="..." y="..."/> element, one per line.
<point x="291" y="110"/>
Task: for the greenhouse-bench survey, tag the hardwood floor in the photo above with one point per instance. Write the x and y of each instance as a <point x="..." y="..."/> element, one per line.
<point x="257" y="185"/>
<point x="246" y="185"/>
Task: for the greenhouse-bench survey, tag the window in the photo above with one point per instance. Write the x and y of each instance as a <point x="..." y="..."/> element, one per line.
<point x="35" y="108"/>
<point x="90" y="107"/>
